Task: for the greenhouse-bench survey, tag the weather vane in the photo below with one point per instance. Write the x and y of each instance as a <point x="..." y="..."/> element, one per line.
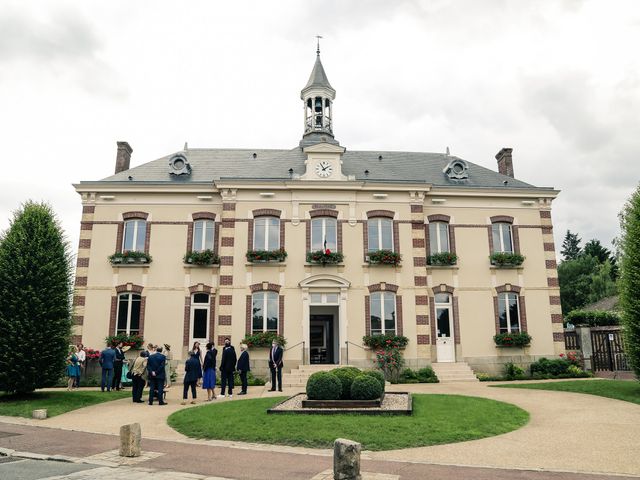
<point x="318" y="50"/>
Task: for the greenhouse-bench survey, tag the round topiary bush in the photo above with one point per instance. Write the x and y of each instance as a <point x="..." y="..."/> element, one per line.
<point x="377" y="375"/>
<point x="366" y="387"/>
<point x="346" y="375"/>
<point x="324" y="386"/>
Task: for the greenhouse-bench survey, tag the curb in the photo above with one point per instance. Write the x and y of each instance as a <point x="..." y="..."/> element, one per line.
<point x="8" y="452"/>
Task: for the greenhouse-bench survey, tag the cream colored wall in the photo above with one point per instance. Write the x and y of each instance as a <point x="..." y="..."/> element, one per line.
<point x="166" y="280"/>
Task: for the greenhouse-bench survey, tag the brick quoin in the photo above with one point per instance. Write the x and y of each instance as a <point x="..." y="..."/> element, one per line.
<point x="226" y="261"/>
<point x="422" y="320"/>
<point x="418" y="243"/>
<point x="78" y="301"/>
<point x="227" y="241"/>
<point x="86" y="226"/>
<point x="420" y="281"/>
<point x="417" y="225"/>
<point x="224" y="320"/>
<point x="226" y="279"/>
<point x="558" y="337"/>
<point x="81" y="281"/>
<point x="84" y="243"/>
<point x="416" y="209"/>
<point x="423" y="339"/>
<point x="554" y="300"/>
<point x="556" y="318"/>
<point x="78" y="320"/>
<point x="228" y="207"/>
<point x="549" y="247"/>
<point x="545" y="214"/>
<point x="83" y="262"/>
<point x="553" y="282"/>
<point x="551" y="264"/>
<point x="419" y="261"/>
<point x="89" y="209"/>
<point x="226" y="299"/>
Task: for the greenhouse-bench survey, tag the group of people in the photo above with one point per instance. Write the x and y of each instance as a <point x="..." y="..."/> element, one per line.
<point x="152" y="367"/>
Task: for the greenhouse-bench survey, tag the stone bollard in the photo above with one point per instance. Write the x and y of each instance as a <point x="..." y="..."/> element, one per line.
<point x="346" y="460"/>
<point x="130" y="436"/>
<point x="39" y="414"/>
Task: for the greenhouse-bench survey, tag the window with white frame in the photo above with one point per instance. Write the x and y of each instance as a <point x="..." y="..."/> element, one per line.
<point x="443" y="314"/>
<point x="203" y="232"/>
<point x="383" y="313"/>
<point x="324" y="234"/>
<point x="380" y="232"/>
<point x="135" y="232"/>
<point x="128" y="316"/>
<point x="438" y="237"/>
<point x="509" y="312"/>
<point x="265" y="312"/>
<point x="266" y="233"/>
<point x="200" y="311"/>
<point x="502" y="237"/>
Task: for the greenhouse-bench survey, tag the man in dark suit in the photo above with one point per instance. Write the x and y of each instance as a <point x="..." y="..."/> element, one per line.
<point x="275" y="365"/>
<point x="243" y="368"/>
<point x="117" y="366"/>
<point x="155" y="367"/>
<point x="228" y="361"/>
<point x="107" y="359"/>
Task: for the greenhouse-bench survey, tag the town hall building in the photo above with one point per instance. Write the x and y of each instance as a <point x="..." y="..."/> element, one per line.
<point x="323" y="245"/>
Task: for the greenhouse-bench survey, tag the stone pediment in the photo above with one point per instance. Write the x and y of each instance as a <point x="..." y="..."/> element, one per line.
<point x="324" y="148"/>
<point x="324" y="281"/>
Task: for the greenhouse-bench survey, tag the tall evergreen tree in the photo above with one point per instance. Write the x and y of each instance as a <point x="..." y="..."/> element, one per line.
<point x="630" y="278"/>
<point x="35" y="300"/>
<point x="571" y="246"/>
<point x="596" y="250"/>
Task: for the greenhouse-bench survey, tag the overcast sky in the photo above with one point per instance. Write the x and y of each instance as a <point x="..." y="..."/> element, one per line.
<point x="558" y="81"/>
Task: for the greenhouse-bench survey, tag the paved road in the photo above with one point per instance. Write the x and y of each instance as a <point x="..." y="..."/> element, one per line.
<point x="229" y="462"/>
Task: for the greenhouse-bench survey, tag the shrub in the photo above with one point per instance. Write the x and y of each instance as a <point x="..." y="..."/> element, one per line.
<point x="324" y="386"/>
<point x="365" y="387"/>
<point x="544" y="366"/>
<point x="205" y="257"/>
<point x="427" y="375"/>
<point x="385" y="341"/>
<point x="443" y="258"/>
<point x="521" y="339"/>
<point x="346" y="375"/>
<point x="377" y="375"/>
<point x="263" y="339"/>
<point x="593" y="318"/>
<point x="390" y="362"/>
<point x="384" y="257"/>
<point x="252" y="380"/>
<point x="324" y="256"/>
<point x="506" y="259"/>
<point x="513" y="371"/>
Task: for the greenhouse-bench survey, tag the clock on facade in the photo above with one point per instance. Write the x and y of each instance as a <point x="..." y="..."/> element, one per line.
<point x="323" y="169"/>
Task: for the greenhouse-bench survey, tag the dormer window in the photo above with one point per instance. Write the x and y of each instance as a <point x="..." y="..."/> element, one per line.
<point x="457" y="169"/>
<point x="179" y="165"/>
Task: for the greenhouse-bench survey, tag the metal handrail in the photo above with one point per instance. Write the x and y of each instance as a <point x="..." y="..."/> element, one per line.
<point x="304" y="350"/>
<point x="346" y="343"/>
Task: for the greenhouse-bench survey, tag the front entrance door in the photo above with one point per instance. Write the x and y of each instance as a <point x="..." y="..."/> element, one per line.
<point x="445" y="342"/>
<point x="321" y="339"/>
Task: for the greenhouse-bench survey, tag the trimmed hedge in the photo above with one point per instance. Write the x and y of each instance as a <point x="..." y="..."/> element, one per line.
<point x="346" y="375"/>
<point x="324" y="386"/>
<point x="593" y="318"/>
<point x="366" y="387"/>
<point x="378" y="375"/>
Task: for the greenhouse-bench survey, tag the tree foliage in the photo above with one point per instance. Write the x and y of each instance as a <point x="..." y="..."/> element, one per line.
<point x="630" y="278"/>
<point x="35" y="300"/>
<point x="583" y="281"/>
<point x="571" y="246"/>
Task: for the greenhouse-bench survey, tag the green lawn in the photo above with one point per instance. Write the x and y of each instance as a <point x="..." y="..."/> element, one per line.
<point x="629" y="391"/>
<point x="56" y="403"/>
<point x="436" y="419"/>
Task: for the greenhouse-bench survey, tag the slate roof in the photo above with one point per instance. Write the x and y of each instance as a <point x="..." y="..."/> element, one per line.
<point x="220" y="164"/>
<point x="318" y="77"/>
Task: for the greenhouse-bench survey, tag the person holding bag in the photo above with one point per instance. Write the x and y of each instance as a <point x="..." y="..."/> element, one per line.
<point x="139" y="376"/>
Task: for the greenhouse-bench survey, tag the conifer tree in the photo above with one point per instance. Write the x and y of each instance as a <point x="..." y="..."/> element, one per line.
<point x="630" y="279"/>
<point x="35" y="300"/>
<point x="571" y="246"/>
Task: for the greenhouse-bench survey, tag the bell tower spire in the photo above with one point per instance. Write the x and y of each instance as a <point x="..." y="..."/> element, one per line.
<point x="318" y="96"/>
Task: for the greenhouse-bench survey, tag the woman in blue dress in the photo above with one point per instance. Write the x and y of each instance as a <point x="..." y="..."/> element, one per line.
<point x="209" y="372"/>
<point x="73" y="368"/>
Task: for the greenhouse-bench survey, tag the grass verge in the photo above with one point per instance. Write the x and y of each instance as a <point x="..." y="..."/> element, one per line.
<point x="436" y="419"/>
<point x="626" y="390"/>
<point x="56" y="403"/>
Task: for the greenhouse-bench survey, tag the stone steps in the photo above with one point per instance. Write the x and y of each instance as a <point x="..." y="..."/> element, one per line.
<point x="297" y="378"/>
<point x="454" y="372"/>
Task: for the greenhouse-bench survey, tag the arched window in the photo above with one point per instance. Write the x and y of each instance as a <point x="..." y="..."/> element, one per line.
<point x="380" y="234"/>
<point x="200" y="314"/>
<point x="439" y="237"/>
<point x="383" y="313"/>
<point x="266" y="233"/>
<point x="203" y="235"/>
<point x="135" y="231"/>
<point x="509" y="312"/>
<point x="324" y="234"/>
<point x="128" y="316"/>
<point x="265" y="312"/>
<point x="502" y="237"/>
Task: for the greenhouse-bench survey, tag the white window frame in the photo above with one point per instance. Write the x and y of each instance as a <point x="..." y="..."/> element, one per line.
<point x="324" y="231"/>
<point x="444" y="306"/>
<point x="205" y="226"/>
<point x="505" y="295"/>
<point x="383" y="330"/>
<point x="265" y="301"/>
<point x="501" y="226"/>
<point x="438" y="237"/>
<point x="379" y="221"/>
<point x="200" y="306"/>
<point x="324" y="299"/>
<point x="267" y="227"/>
<point x="135" y="224"/>
<point x="129" y="308"/>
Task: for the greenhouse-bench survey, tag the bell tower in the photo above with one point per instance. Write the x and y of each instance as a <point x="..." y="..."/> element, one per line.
<point x="318" y="96"/>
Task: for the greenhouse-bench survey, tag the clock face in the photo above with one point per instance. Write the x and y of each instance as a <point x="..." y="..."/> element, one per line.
<point x="323" y="169"/>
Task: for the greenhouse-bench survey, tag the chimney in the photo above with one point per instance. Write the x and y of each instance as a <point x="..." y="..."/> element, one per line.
<point x="505" y="162"/>
<point x="123" y="157"/>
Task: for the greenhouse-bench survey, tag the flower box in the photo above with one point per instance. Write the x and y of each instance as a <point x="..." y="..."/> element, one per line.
<point x="263" y="340"/>
<point x="520" y="339"/>
<point x="129" y="256"/>
<point x="133" y="341"/>
<point x="384" y="257"/>
<point x="385" y="341"/>
<point x="205" y="257"/>
<point x="256" y="256"/>
<point x="506" y="259"/>
<point x="442" y="259"/>
<point x="324" y="257"/>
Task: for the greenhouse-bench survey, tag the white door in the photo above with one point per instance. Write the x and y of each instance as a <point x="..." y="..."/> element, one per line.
<point x="445" y="341"/>
<point x="199" y="329"/>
